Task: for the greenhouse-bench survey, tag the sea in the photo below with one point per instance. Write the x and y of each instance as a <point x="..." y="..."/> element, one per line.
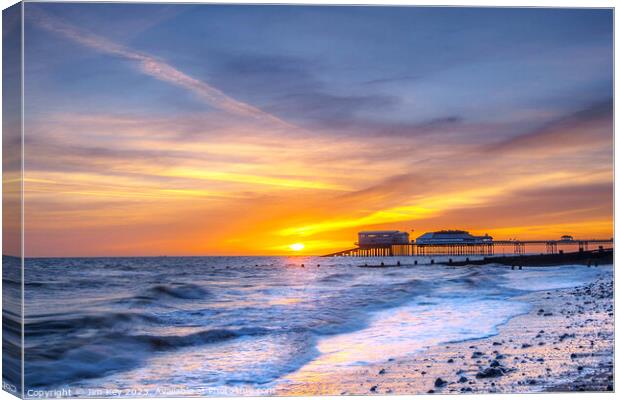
<point x="241" y="325"/>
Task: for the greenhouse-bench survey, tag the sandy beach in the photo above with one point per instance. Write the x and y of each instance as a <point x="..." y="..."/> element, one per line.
<point x="565" y="343"/>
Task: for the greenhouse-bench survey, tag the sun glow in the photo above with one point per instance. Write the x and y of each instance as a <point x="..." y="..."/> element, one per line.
<point x="297" y="246"/>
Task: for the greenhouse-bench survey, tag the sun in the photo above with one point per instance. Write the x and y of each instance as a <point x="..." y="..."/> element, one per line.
<point x="296" y="246"/>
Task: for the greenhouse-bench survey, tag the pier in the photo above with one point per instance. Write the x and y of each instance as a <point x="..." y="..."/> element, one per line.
<point x="482" y="248"/>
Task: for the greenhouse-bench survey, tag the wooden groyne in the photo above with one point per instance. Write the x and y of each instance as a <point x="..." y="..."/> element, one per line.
<point x="594" y="258"/>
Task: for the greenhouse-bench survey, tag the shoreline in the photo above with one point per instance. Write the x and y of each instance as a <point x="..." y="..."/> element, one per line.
<point x="564" y="343"/>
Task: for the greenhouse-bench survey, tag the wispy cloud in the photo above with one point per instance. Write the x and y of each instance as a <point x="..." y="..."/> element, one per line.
<point x="590" y="126"/>
<point x="152" y="66"/>
<point x="250" y="179"/>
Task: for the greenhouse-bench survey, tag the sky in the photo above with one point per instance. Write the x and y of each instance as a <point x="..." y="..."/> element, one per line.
<point x="172" y="129"/>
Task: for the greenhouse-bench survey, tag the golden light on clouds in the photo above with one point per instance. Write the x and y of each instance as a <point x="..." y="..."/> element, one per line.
<point x="250" y="179"/>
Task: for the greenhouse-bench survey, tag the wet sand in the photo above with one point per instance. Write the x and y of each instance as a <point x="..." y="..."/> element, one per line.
<point x="565" y="343"/>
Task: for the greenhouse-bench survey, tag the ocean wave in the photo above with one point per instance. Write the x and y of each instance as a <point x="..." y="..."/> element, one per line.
<point x="113" y="353"/>
<point x="197" y="338"/>
<point x="52" y="324"/>
<point x="11" y="322"/>
<point x="336" y="277"/>
<point x="184" y="291"/>
<point x="11" y="282"/>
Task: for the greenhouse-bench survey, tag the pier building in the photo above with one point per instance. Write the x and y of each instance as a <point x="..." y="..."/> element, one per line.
<point x="452" y="237"/>
<point x="381" y="238"/>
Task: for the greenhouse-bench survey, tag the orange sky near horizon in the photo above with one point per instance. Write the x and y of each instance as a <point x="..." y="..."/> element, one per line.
<point x="256" y="192"/>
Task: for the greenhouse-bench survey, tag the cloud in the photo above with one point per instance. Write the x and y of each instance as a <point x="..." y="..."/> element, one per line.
<point x="291" y="86"/>
<point x="437" y="127"/>
<point x="327" y="110"/>
<point x="553" y="205"/>
<point x="265" y="74"/>
<point x="389" y="191"/>
<point x="151" y="66"/>
<point x="582" y="129"/>
<point x="402" y="78"/>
